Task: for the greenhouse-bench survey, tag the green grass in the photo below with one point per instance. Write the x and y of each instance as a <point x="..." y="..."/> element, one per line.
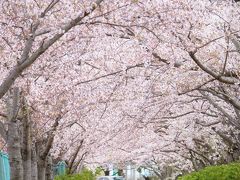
<point x="222" y="172"/>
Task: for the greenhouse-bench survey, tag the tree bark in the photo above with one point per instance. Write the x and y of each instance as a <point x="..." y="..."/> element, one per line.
<point x="73" y="157"/>
<point x="78" y="163"/>
<point x="42" y="156"/>
<point x="14" y="138"/>
<point x="49" y="170"/>
<point x="26" y="142"/>
<point x="14" y="151"/>
<point x="34" y="163"/>
<point x="42" y="168"/>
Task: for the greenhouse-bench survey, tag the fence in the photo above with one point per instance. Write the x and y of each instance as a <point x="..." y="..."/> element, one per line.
<point x="4" y="166"/>
<point x="59" y="168"/>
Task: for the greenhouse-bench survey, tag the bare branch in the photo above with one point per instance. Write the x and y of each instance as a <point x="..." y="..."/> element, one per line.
<point x="227" y="80"/>
<point x="209" y="124"/>
<point x="109" y="74"/>
<point x="8" y="43"/>
<point x="231" y="119"/>
<point x="39" y="33"/>
<point x="13" y="104"/>
<point x="50" y="138"/>
<point x="49" y="7"/>
<point x="128" y="26"/>
<point x="226" y="139"/>
<point x="160" y="59"/>
<point x="197" y="87"/>
<point x="226" y="57"/>
<point x="74" y="156"/>
<point x="3" y="131"/>
<point x="79" y="161"/>
<point x="224" y="96"/>
<point x="180" y="115"/>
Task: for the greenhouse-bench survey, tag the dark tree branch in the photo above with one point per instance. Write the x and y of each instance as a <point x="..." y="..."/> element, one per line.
<point x="231" y="120"/>
<point x="180" y="115"/>
<point x="224" y="79"/>
<point x="109" y="74"/>
<point x="26" y="61"/>
<point x="50" y="139"/>
<point x="3" y="131"/>
<point x="74" y="156"/>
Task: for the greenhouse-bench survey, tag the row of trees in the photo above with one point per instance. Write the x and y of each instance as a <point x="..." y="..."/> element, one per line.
<point x="149" y="82"/>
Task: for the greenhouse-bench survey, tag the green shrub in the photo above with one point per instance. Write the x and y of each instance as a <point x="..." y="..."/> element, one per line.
<point x="86" y="174"/>
<point x="222" y="172"/>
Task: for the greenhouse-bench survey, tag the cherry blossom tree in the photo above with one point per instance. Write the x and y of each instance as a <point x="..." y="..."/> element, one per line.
<point x="135" y="80"/>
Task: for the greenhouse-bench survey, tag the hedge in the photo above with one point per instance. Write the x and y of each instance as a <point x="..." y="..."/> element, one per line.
<point x="221" y="172"/>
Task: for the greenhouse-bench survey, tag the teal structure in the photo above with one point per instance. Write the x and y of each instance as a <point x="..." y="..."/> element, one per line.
<point x="60" y="168"/>
<point x="4" y="166"/>
<point x="114" y="172"/>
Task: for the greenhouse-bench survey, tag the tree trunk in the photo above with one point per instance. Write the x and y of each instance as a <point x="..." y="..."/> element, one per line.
<point x="73" y="158"/>
<point x="42" y="155"/>
<point x="26" y="143"/>
<point x="14" y="152"/>
<point x="41" y="168"/>
<point x="78" y="163"/>
<point x="34" y="163"/>
<point x="49" y="170"/>
<point x="13" y="136"/>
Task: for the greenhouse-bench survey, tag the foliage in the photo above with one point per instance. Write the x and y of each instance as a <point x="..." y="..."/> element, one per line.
<point x="85" y="174"/>
<point x="222" y="172"/>
<point x="98" y="171"/>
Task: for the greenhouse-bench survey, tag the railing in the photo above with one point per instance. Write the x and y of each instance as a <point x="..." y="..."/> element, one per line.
<point x="4" y="166"/>
<point x="59" y="168"/>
